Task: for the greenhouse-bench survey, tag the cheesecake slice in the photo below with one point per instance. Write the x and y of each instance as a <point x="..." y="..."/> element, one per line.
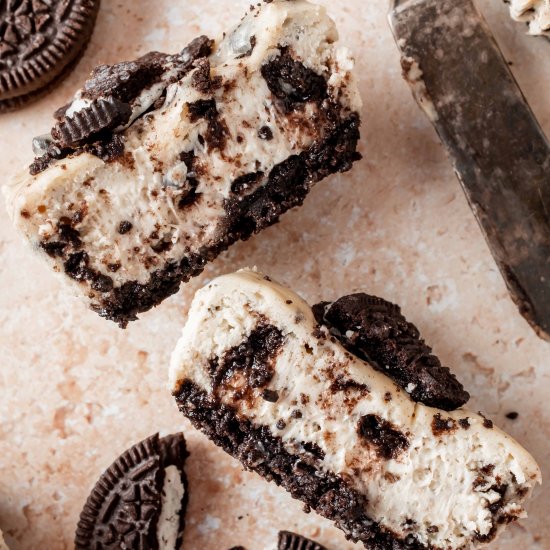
<point x="159" y="164"/>
<point x="283" y="394"/>
<point x="536" y="13"/>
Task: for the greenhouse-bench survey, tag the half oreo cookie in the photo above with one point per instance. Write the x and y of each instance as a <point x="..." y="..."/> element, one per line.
<point x="376" y="331"/>
<point x="40" y="42"/>
<point x="139" y="502"/>
<point x="292" y="541"/>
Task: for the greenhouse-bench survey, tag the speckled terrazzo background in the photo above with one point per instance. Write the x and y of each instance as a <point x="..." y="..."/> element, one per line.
<point x="75" y="390"/>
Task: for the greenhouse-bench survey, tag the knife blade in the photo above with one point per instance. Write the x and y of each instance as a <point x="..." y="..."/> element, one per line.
<point x="501" y="156"/>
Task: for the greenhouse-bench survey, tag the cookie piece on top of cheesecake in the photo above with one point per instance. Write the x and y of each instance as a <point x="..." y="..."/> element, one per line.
<point x="257" y="373"/>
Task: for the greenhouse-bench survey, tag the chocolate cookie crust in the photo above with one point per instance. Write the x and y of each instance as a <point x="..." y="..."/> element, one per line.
<point x="123" y="508"/>
<point x="39" y="41"/>
<point x="375" y="330"/>
<point x="300" y="474"/>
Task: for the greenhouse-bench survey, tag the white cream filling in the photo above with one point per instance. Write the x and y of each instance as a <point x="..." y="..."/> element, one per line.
<point x="77" y="105"/>
<point x="430" y="483"/>
<point x="139" y="105"/>
<point x="146" y="190"/>
<point x="173" y="491"/>
<point x="534" y="12"/>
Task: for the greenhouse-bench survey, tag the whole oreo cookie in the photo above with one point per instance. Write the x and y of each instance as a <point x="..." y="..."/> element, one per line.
<point x="40" y="41"/>
<point x="139" y="502"/>
<point x="376" y="330"/>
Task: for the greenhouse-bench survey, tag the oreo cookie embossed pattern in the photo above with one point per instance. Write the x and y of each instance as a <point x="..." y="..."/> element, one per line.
<point x="40" y="41"/>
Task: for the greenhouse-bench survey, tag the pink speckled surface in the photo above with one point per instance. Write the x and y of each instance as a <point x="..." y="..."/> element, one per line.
<point x="75" y="390"/>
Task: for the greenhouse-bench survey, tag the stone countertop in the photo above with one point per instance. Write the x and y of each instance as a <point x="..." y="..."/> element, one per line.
<point x="75" y="390"/>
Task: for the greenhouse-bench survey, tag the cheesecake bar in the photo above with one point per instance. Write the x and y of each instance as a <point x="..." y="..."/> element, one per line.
<point x="536" y="13"/>
<point x="159" y="164"/>
<point x="281" y="392"/>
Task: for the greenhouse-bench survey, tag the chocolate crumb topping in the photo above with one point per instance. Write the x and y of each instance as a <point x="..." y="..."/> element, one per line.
<point x="125" y="227"/>
<point x="197" y="48"/>
<point x="464" y="423"/>
<point x="376" y="331"/>
<point x="388" y="441"/>
<point x="270" y="395"/>
<point x="52" y="154"/>
<point x="442" y="426"/>
<point x="109" y="148"/>
<point x="300" y="474"/>
<point x="126" y="80"/>
<point x="266" y="133"/>
<point x="486" y="422"/>
<point x="217" y="130"/>
<point x="202" y="80"/>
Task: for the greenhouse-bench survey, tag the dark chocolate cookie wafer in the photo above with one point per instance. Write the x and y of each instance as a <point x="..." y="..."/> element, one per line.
<point x="292" y="541"/>
<point x="40" y="40"/>
<point x="139" y="502"/>
<point x="376" y="330"/>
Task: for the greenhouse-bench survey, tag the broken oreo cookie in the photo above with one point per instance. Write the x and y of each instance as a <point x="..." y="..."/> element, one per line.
<point x="101" y="114"/>
<point x="40" y="41"/>
<point x="139" y="502"/>
<point x="111" y="98"/>
<point x="292" y="541"/>
<point x="375" y="330"/>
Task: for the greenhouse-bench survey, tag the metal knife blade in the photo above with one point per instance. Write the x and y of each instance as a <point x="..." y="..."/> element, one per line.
<point x="501" y="156"/>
